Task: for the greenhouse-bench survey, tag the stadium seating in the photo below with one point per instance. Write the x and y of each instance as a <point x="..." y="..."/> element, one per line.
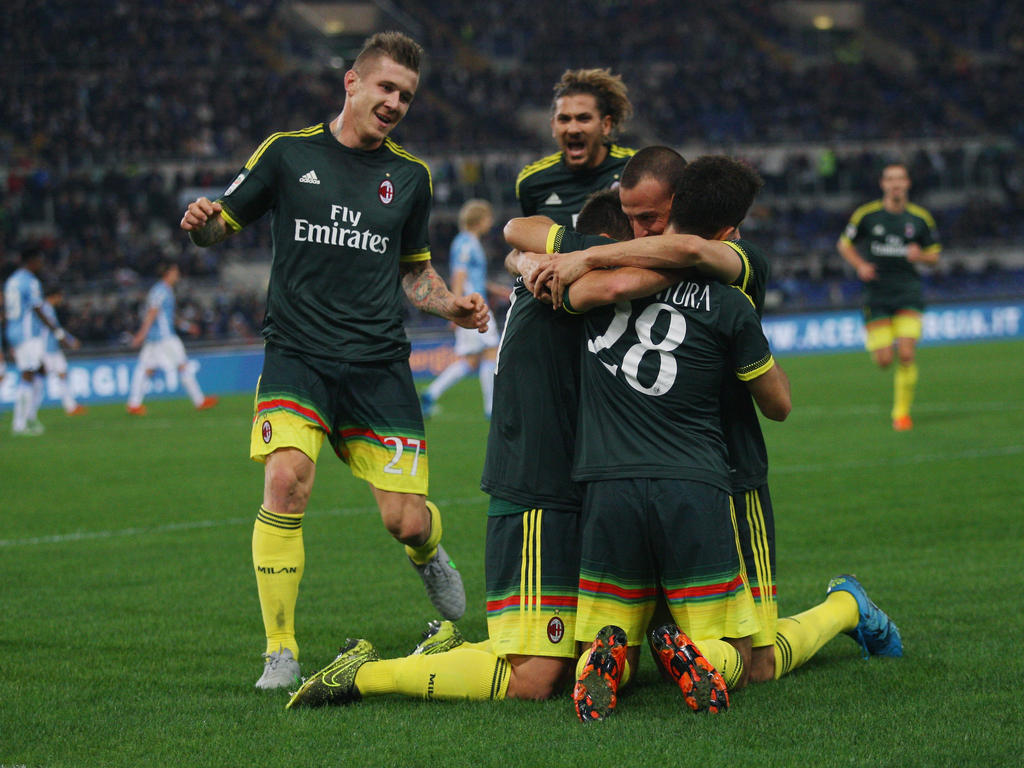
<point x="114" y="114"/>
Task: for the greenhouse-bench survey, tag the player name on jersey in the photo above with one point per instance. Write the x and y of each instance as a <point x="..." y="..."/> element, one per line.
<point x="689" y="295"/>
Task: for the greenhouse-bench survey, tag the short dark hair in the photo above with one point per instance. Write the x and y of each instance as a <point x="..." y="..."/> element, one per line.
<point x="660" y="162"/>
<point x="398" y="47"/>
<point x="30" y="253"/>
<point x="715" y="192"/>
<point x="894" y="164"/>
<point x="602" y="215"/>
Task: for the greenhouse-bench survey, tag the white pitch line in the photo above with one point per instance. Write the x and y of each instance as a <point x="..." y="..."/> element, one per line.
<point x="64" y="538"/>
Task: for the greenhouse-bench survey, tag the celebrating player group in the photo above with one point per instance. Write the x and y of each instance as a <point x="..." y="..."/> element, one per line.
<point x="625" y="467"/>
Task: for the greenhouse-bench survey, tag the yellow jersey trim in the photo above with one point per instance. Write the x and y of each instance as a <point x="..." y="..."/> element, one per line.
<point x="746" y="264"/>
<point x="416" y="256"/>
<point x="614" y="150"/>
<point x="554" y="239"/>
<point x="229" y="219"/>
<point x="535" y="166"/>
<point x="254" y="158"/>
<point x="759" y="368"/>
<point x="917" y="210"/>
<point x="397" y="148"/>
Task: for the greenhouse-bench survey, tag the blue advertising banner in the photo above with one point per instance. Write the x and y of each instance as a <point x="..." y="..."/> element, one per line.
<point x="844" y="331"/>
<point x="107" y="379"/>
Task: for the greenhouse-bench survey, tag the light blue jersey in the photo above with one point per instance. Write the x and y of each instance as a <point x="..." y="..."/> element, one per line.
<point x="23" y="293"/>
<point x="162" y="297"/>
<point x="52" y="345"/>
<point x="468" y="254"/>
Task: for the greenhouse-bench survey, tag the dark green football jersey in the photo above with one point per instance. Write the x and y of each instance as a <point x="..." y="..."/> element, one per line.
<point x="748" y="455"/>
<point x="341" y="220"/>
<point x="651" y="382"/>
<point x="536" y="394"/>
<point x="882" y="237"/>
<point x="532" y="438"/>
<point x="549" y="188"/>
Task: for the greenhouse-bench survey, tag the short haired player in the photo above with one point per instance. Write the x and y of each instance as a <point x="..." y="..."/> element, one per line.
<point x="349" y="212"/>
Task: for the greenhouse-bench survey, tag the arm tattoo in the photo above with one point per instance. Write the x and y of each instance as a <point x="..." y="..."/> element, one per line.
<point x="425" y="288"/>
<point x="212" y="232"/>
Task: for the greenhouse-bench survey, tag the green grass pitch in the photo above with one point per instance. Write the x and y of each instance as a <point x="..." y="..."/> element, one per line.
<point x="131" y="635"/>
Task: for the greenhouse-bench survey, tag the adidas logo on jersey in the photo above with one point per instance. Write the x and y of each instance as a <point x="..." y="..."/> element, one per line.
<point x="309" y="178"/>
<point x="553" y="199"/>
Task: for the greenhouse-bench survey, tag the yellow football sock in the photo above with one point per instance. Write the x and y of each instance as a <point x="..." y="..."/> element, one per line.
<point x="278" y="558"/>
<point x="904" y="385"/>
<point x="482" y="645"/>
<point x="461" y="673"/>
<point x="724" y="657"/>
<point x="799" y="637"/>
<point x="426" y="551"/>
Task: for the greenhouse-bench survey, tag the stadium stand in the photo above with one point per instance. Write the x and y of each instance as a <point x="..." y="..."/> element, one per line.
<point x="113" y="114"/>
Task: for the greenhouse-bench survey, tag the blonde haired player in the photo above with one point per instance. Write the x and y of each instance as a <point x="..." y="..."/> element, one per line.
<point x="468" y="273"/>
<point x="350" y="210"/>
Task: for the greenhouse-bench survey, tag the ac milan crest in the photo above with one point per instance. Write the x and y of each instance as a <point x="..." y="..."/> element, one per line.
<point x="556" y="630"/>
<point x="267" y="432"/>
<point x="386" y="191"/>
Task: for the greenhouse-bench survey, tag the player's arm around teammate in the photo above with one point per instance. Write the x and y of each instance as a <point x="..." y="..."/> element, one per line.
<point x="714" y="258"/>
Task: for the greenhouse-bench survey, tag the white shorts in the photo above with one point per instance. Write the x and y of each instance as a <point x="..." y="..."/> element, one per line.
<point x="28" y="355"/>
<point x="469" y="341"/>
<point x="166" y="354"/>
<point x="55" y="363"/>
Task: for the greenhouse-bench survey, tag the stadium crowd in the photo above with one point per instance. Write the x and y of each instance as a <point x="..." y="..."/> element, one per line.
<point x="112" y="112"/>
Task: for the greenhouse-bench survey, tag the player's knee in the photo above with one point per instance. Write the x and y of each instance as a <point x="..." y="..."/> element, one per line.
<point x="286" y="491"/>
<point x="883" y="357"/>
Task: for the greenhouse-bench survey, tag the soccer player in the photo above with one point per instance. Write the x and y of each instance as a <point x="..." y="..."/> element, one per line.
<point x="474" y="351"/>
<point x="589" y="107"/>
<point x="884" y="242"/>
<point x="533" y="530"/>
<point x="54" y="361"/>
<point x="3" y="335"/>
<point x="651" y="453"/>
<point x="776" y="650"/>
<point x="26" y="321"/>
<point x="162" y="347"/>
<point x="349" y="214"/>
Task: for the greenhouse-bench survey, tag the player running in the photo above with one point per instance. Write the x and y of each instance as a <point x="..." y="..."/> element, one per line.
<point x="884" y="242"/>
<point x="349" y="214"/>
<point x="161" y="347"/>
